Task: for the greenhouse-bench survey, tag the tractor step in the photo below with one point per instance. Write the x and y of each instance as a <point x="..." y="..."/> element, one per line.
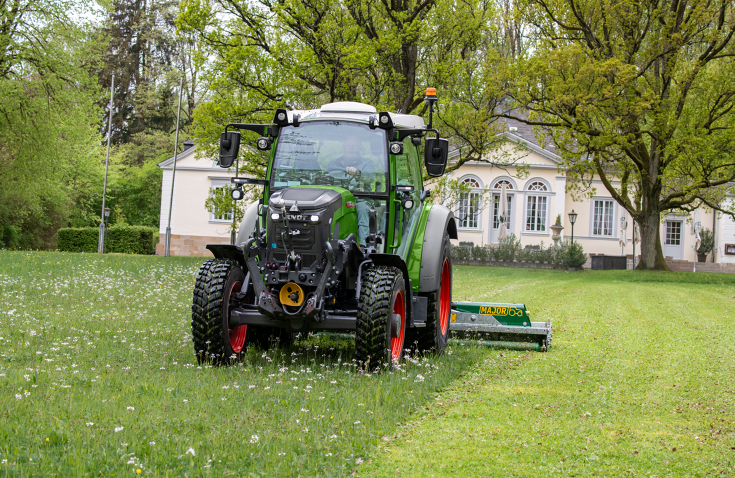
<point x="497" y="325"/>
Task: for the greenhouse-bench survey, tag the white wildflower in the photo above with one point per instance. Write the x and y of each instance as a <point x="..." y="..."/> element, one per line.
<point x="190" y="451"/>
<point x="119" y="429"/>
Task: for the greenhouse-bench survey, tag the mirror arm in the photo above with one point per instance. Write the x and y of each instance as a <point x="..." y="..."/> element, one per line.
<point x="262" y="129"/>
<point x="400" y="134"/>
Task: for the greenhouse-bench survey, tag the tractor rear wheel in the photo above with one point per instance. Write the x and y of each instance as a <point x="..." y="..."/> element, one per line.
<point x="214" y="295"/>
<point x="433" y="337"/>
<point x="381" y="318"/>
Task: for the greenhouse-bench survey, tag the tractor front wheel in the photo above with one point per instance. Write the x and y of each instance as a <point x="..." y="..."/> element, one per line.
<point x="381" y="318"/>
<point x="214" y="296"/>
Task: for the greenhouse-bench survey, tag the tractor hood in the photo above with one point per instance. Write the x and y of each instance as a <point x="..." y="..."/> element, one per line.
<point x="306" y="199"/>
<point x="322" y="205"/>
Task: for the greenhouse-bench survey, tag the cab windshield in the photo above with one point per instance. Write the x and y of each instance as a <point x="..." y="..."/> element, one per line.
<point x="332" y="153"/>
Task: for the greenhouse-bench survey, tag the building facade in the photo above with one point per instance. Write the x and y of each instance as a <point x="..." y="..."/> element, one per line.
<point x="538" y="195"/>
<point x="192" y="226"/>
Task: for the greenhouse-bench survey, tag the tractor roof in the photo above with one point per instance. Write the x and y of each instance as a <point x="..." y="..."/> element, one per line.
<point x="354" y="111"/>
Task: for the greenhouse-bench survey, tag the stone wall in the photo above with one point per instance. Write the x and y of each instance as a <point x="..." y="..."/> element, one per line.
<point x="183" y="245"/>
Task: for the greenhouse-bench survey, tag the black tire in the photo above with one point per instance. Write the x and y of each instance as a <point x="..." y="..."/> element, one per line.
<point x="433" y="337"/>
<point x="377" y="343"/>
<point x="216" y="280"/>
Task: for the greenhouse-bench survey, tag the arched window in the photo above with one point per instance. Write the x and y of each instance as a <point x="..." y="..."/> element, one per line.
<point x="499" y="184"/>
<point x="537" y="186"/>
<point x="468" y="212"/>
<point x="537" y="206"/>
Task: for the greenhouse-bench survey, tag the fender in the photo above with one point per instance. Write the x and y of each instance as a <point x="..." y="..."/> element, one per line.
<point x="440" y="219"/>
<point x="248" y="223"/>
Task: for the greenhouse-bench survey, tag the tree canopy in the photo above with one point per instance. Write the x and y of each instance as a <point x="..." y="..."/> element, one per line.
<point x="639" y="93"/>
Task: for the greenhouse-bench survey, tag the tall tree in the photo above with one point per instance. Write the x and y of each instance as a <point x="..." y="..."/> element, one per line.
<point x="48" y="116"/>
<point x="641" y="94"/>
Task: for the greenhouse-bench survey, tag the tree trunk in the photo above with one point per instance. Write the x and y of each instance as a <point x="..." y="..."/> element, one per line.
<point x="652" y="254"/>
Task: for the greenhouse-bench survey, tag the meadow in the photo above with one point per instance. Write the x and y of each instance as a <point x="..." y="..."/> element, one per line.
<point x="98" y="378"/>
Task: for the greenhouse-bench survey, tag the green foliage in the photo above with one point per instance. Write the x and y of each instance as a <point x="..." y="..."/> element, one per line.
<point x="708" y="241"/>
<point x="510" y="249"/>
<point x="78" y="239"/>
<point x="132" y="239"/>
<point x="9" y="237"/>
<point x="381" y="53"/>
<point x="558" y="220"/>
<point x="120" y="238"/>
<point x="574" y="256"/>
<point x="461" y="253"/>
<point x="479" y="253"/>
<point x="48" y="116"/>
<point x="647" y="107"/>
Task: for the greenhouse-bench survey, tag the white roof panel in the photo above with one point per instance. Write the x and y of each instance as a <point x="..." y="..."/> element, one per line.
<point x="349" y="107"/>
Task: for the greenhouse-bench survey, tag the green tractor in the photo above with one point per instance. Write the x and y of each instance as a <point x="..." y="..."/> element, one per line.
<point x="344" y="238"/>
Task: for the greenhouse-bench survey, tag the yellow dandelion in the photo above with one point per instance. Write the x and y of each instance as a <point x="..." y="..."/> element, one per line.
<point x="46" y="438"/>
<point x="138" y="470"/>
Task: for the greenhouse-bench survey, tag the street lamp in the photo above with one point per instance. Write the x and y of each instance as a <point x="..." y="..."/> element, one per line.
<point x="104" y="238"/>
<point x="572" y="219"/>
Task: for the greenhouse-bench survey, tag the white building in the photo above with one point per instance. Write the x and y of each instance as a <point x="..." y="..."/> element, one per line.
<point x="537" y="199"/>
<point x="192" y="226"/>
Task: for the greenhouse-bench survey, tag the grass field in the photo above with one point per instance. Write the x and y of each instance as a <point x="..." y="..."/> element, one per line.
<point x="98" y="377"/>
<point x="640" y="380"/>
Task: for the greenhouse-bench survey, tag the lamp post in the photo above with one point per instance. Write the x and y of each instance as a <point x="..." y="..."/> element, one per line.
<point x="102" y="234"/>
<point x="167" y="244"/>
<point x="104" y="239"/>
<point x="572" y="220"/>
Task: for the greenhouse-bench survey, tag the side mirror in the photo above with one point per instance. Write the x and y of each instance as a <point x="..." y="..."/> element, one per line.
<point x="435" y="156"/>
<point x="229" y="146"/>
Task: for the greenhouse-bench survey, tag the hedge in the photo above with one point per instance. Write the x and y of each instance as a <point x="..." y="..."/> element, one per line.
<point x="510" y="249"/>
<point x="120" y="238"/>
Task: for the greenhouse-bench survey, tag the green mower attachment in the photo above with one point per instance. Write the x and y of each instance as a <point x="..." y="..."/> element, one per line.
<point x="499" y="325"/>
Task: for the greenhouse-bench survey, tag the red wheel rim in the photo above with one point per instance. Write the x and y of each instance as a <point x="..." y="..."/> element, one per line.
<point x="237" y="335"/>
<point x="396" y="343"/>
<point x="445" y="297"/>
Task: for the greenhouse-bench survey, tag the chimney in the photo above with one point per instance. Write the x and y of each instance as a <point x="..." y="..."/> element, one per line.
<point x="188" y="144"/>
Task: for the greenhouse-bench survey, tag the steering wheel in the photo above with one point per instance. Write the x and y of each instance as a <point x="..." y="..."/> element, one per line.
<point x="342" y="176"/>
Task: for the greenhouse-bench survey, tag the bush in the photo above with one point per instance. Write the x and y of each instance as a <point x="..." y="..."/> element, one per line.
<point x="574" y="256"/>
<point x="120" y="238"/>
<point x="9" y="236"/>
<point x="77" y="239"/>
<point x="479" y="253"/>
<point x="508" y="249"/>
<point x="708" y="241"/>
<point x="461" y="253"/>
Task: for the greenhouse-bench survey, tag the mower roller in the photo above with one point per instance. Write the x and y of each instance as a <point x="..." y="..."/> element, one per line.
<point x="343" y="238"/>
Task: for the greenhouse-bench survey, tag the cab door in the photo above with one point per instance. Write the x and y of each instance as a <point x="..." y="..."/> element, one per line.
<point x="407" y="173"/>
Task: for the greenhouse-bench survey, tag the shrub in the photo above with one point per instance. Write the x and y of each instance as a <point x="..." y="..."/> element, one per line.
<point x="479" y="253"/>
<point x="9" y="236"/>
<point x="132" y="239"/>
<point x="120" y="238"/>
<point x="708" y="241"/>
<point x="575" y="256"/>
<point x="461" y="253"/>
<point x="508" y="249"/>
<point x="77" y="239"/>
